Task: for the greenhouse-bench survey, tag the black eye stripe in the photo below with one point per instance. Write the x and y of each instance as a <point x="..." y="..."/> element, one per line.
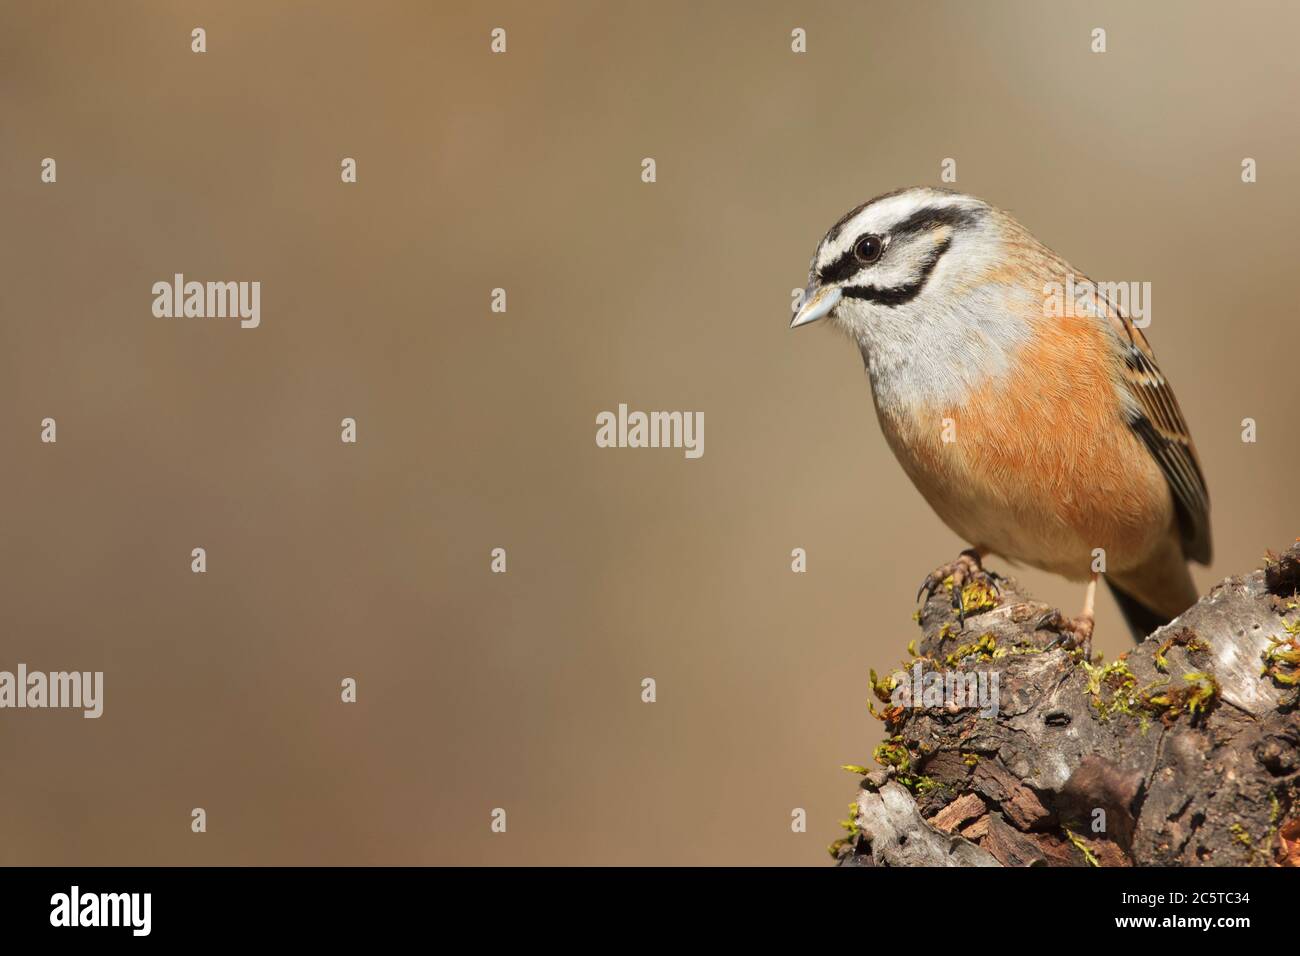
<point x="923" y="220"/>
<point x="842" y="268"/>
<point x="901" y="294"/>
<point x="958" y="217"/>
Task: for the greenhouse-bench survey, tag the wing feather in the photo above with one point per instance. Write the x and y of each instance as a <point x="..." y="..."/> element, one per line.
<point x="1157" y="420"/>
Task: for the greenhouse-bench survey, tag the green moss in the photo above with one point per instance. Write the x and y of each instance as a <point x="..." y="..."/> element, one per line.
<point x="1202" y="694"/>
<point x="883" y="689"/>
<point x="1111" y="689"/>
<point x="920" y="785"/>
<point x="978" y="596"/>
<point x="1282" y="657"/>
<point x="1182" y="638"/>
<point x="850" y="825"/>
<point x="887" y="716"/>
<point x="1081" y="847"/>
<point x="1197" y="698"/>
<point x="1020" y="648"/>
<point x="892" y="753"/>
<point x="983" y="646"/>
<point x="1240" y="835"/>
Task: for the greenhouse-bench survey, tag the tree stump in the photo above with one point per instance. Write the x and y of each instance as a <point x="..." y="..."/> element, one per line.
<point x="1185" y="751"/>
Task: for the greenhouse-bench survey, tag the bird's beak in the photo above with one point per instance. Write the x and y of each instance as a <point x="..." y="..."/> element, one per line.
<point x="817" y="304"/>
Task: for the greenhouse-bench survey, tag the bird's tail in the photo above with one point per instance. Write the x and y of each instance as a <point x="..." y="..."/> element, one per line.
<point x="1141" y="620"/>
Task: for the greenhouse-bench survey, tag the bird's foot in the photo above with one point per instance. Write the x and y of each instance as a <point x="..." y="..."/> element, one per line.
<point x="1071" y="632"/>
<point x="965" y="570"/>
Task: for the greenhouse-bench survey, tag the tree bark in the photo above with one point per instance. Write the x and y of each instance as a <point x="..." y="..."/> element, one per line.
<point x="1185" y="751"/>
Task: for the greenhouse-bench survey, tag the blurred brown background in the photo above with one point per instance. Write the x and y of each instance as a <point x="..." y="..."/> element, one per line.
<point x="476" y="430"/>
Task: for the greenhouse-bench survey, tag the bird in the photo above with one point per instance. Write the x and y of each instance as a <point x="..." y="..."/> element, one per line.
<point x="1045" y="436"/>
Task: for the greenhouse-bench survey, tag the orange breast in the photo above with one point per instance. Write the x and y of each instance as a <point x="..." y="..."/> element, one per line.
<point x="1040" y="466"/>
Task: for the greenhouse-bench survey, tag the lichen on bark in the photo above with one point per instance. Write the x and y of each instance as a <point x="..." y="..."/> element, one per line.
<point x="1185" y="751"/>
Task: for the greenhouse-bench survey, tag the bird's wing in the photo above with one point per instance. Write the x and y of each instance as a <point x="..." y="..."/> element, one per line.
<point x="1155" y="417"/>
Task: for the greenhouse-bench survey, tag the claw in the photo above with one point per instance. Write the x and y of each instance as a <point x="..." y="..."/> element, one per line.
<point x="1054" y="642"/>
<point x="1051" y="621"/>
<point x="1070" y="633"/>
<point x="966" y="566"/>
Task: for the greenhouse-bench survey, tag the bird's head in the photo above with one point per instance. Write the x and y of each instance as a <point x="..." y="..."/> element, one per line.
<point x="893" y="260"/>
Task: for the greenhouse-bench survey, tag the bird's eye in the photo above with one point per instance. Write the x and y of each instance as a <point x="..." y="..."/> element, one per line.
<point x="868" y="249"/>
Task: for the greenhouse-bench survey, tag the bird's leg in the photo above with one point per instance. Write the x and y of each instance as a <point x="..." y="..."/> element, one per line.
<point x="1074" y="632"/>
<point x="967" y="566"/>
